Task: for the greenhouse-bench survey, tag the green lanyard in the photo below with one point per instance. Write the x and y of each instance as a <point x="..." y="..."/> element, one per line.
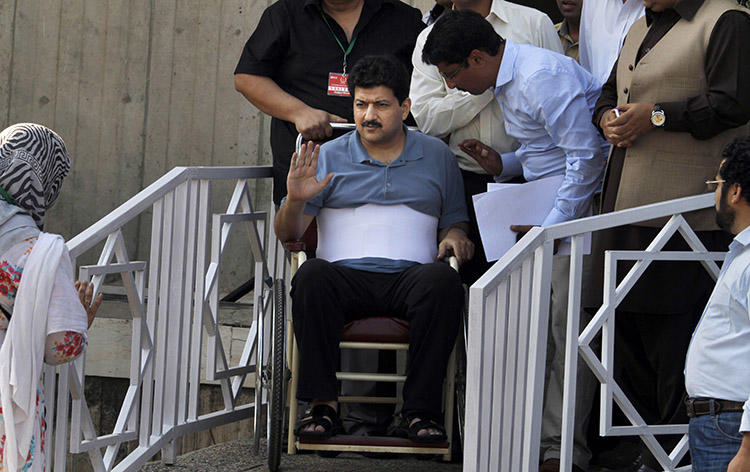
<point x="351" y="44"/>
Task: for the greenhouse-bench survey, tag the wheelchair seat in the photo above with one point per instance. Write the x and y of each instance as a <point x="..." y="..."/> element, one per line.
<point x="377" y="329"/>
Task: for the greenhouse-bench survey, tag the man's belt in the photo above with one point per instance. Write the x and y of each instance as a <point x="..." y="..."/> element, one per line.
<point x="702" y="406"/>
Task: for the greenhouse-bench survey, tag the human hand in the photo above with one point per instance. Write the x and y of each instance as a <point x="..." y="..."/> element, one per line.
<point x="634" y="121"/>
<point x="605" y="123"/>
<point x="487" y="157"/>
<point x="741" y="461"/>
<point x="301" y="183"/>
<point x="456" y="243"/>
<point x="523" y="229"/>
<point x="313" y="123"/>
<point x="86" y="294"/>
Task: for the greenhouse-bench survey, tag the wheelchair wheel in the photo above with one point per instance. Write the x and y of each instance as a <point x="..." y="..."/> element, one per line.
<point x="276" y="402"/>
<point x="461" y="374"/>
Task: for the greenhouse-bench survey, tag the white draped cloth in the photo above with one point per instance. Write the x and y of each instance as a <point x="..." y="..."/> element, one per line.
<point x="23" y="349"/>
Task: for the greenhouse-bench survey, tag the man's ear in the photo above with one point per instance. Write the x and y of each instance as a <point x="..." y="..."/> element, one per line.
<point x="405" y="108"/>
<point x="477" y="57"/>
<point x="735" y="193"/>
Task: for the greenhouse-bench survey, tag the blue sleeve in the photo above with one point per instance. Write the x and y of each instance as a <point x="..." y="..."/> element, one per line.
<point x="511" y="167"/>
<point x="565" y="114"/>
<point x="454" y="201"/>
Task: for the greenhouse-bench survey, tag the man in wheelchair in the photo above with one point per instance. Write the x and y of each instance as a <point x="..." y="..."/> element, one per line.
<point x="389" y="204"/>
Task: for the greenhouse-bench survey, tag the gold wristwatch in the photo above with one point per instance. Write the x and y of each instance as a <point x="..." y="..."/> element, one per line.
<point x="658" y="118"/>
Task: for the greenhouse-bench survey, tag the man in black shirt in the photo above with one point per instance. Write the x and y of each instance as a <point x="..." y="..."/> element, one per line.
<point x="293" y="68"/>
<point x="293" y="65"/>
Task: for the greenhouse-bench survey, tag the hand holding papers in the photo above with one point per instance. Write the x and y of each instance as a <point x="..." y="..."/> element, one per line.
<point x="504" y="205"/>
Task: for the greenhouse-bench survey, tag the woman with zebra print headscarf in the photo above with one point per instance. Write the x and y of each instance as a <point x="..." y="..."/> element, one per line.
<point x="45" y="316"/>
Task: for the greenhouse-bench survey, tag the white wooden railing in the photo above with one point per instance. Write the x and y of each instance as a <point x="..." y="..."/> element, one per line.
<point x="174" y="300"/>
<point x="507" y="340"/>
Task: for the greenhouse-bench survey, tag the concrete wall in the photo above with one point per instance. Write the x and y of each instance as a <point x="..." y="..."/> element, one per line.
<point x="134" y="87"/>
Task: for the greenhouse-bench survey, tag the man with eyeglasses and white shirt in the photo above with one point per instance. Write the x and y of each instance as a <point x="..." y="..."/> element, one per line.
<point x="717" y="368"/>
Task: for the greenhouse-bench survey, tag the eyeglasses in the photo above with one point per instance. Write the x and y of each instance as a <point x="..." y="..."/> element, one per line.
<point x="712" y="185"/>
<point x="453" y="74"/>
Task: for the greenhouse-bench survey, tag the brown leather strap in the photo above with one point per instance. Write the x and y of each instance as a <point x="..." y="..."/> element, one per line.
<point x="702" y="406"/>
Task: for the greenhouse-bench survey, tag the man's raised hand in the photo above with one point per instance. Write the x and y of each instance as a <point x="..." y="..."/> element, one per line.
<point x="301" y="183"/>
<point x="487" y="157"/>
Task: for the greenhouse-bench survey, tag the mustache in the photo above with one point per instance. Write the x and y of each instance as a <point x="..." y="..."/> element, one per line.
<point x="372" y="123"/>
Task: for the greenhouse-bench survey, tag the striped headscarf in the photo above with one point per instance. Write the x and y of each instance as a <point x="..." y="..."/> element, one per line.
<point x="33" y="164"/>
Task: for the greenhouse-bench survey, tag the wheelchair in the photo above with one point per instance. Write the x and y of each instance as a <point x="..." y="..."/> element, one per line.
<point x="379" y="333"/>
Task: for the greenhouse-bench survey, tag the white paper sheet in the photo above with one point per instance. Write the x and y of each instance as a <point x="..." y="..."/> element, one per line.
<point x="516" y="204"/>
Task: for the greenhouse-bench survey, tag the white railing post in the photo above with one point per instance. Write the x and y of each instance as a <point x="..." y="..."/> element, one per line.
<point x="537" y="354"/>
<point x="571" y="352"/>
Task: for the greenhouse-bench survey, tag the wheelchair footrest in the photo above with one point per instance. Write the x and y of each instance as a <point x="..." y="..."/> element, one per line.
<point x="344" y="442"/>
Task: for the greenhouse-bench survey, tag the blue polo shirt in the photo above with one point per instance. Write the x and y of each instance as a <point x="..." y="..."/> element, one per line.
<point x="425" y="177"/>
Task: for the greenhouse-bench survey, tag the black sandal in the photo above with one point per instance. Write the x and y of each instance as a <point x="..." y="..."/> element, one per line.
<point x="320" y="415"/>
<point x="404" y="429"/>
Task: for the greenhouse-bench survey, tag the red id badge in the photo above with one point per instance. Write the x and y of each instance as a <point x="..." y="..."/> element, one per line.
<point x="338" y="85"/>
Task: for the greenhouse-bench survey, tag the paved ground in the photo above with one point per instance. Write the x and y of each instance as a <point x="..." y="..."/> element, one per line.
<point x="235" y="457"/>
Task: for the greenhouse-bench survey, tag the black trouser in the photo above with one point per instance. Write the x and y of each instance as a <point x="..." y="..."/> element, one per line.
<point x="649" y="363"/>
<point x="654" y="325"/>
<point x="326" y="296"/>
<point x="474" y="268"/>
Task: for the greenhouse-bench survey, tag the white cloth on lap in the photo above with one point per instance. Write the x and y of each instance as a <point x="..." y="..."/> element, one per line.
<point x="395" y="232"/>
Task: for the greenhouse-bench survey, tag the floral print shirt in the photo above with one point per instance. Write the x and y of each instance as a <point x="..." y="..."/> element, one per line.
<point x="63" y="346"/>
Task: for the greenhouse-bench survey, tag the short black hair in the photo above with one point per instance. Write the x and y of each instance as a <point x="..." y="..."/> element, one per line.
<point x="736" y="166"/>
<point x="375" y="70"/>
<point x="455" y="34"/>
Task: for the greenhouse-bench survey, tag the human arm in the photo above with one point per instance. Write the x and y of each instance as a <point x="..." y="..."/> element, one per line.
<point x="437" y="109"/>
<point x="453" y="220"/>
<point x="501" y="166"/>
<point x="85" y="292"/>
<point x="71" y="313"/>
<point x="741" y="461"/>
<point x="726" y="104"/>
<point x="564" y="111"/>
<point x="302" y="185"/>
<point x="265" y="94"/>
<point x="264" y="54"/>
<point x="546" y="35"/>
<point x="523" y="229"/>
<point x="453" y="240"/>
<point x="606" y="102"/>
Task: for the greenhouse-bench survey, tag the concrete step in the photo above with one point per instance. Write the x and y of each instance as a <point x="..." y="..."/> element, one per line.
<point x="235" y="456"/>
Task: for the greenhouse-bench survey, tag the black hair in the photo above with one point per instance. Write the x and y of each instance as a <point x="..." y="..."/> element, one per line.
<point x="375" y="70"/>
<point x="736" y="166"/>
<point x="455" y="34"/>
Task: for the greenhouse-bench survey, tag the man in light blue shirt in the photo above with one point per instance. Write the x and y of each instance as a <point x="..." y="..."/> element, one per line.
<point x="546" y="100"/>
<point x="717" y="368"/>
